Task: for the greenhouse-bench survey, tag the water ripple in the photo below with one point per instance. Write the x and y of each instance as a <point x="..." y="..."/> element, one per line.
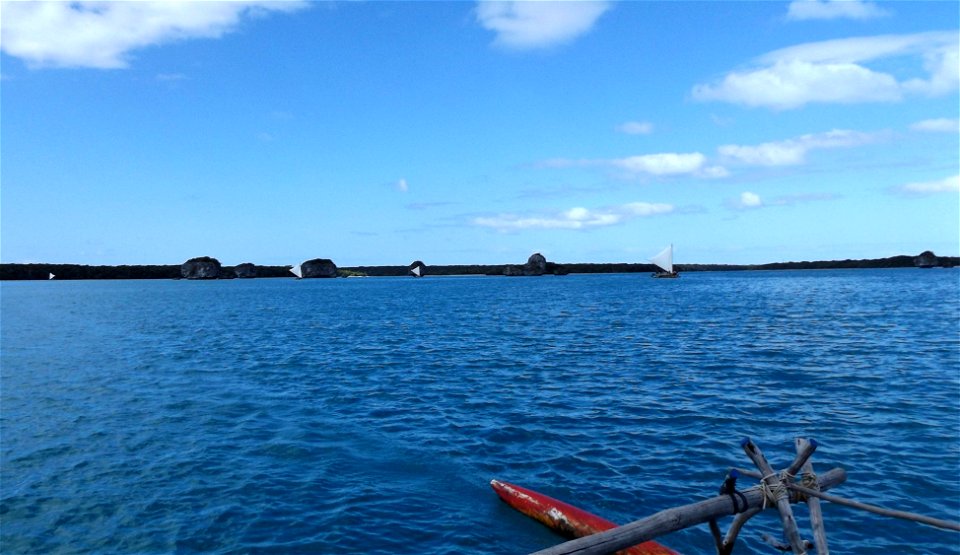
<point x="276" y="416"/>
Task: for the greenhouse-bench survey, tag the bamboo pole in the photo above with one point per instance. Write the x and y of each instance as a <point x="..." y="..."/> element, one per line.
<point x="936" y="522"/>
<point x="771" y="479"/>
<point x="726" y="548"/>
<point x="671" y="520"/>
<point x="939" y="523"/>
<point x="816" y="514"/>
<point x="804" y="452"/>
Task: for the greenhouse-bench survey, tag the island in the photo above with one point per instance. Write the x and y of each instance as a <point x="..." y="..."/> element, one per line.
<point x="204" y="268"/>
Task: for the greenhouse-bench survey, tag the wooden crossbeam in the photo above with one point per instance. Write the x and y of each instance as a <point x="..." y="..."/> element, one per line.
<point x="671" y="520"/>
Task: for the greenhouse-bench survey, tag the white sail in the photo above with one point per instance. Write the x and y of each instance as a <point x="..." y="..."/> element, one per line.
<point x="664" y="259"/>
<point x="296" y="271"/>
<point x="416" y="271"/>
<point x="51" y="276"/>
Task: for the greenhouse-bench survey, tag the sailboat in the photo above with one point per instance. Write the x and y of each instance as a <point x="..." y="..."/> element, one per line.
<point x="416" y="271"/>
<point x="295" y="270"/>
<point x="664" y="261"/>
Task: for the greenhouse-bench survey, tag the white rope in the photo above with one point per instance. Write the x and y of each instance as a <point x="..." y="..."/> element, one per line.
<point x="773" y="493"/>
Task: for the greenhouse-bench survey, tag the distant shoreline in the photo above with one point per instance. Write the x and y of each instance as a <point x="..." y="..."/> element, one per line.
<point x="42" y="271"/>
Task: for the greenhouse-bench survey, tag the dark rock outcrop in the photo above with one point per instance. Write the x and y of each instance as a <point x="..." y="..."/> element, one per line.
<point x="511" y="270"/>
<point x="926" y="259"/>
<point x="202" y="267"/>
<point x="536" y="265"/>
<point x="556" y="269"/>
<point x="318" y="268"/>
<point x="245" y="271"/>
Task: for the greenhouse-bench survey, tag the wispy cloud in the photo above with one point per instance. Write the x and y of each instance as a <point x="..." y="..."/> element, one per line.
<point x="170" y="77"/>
<point x="925" y="188"/>
<point x="428" y="205"/>
<point x="939" y="125"/>
<point x="281" y="115"/>
<point x="574" y="218"/>
<point x="793" y="152"/>
<point x="721" y="121"/>
<point x="524" y="25"/>
<point x="636" y="128"/>
<point x="836" y="72"/>
<point x="102" y="34"/>
<point x="402" y="185"/>
<point x="749" y="200"/>
<point x="801" y="10"/>
<point x="660" y="164"/>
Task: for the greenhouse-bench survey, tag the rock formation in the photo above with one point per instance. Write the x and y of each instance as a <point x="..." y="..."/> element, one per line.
<point x="202" y="267"/>
<point x="926" y="259"/>
<point x="536" y="266"/>
<point x="318" y="268"/>
<point x="246" y="270"/>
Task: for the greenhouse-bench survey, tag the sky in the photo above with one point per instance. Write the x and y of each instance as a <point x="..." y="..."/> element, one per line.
<point x="379" y="133"/>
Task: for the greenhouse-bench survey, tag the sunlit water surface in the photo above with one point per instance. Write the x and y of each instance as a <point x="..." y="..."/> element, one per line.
<point x="368" y="415"/>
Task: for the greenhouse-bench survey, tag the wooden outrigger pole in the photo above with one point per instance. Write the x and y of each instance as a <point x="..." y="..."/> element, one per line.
<point x="671" y="520"/>
<point x="777" y="490"/>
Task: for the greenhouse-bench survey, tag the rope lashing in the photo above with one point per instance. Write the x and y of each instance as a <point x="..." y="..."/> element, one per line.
<point x="803" y="490"/>
<point x="773" y="494"/>
<point x="809" y="481"/>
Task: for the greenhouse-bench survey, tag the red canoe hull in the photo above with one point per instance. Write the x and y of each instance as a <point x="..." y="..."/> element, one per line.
<point x="564" y="518"/>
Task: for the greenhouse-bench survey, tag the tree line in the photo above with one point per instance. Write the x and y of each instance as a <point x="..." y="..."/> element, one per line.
<point x="40" y="271"/>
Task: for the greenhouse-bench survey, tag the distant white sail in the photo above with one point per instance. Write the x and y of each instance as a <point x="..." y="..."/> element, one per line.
<point x="664" y="259"/>
<point x="51" y="276"/>
<point x="416" y="271"/>
<point x="296" y="271"/>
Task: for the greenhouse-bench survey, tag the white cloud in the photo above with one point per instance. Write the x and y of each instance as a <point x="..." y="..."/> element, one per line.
<point x="800" y="10"/>
<point x="767" y="154"/>
<point x="525" y="24"/>
<point x="943" y="64"/>
<point x="940" y="125"/>
<point x="792" y="84"/>
<point x="402" y="185"/>
<point x="636" y="128"/>
<point x="574" y="218"/>
<point x="102" y="34"/>
<point x="750" y="200"/>
<point x="835" y="72"/>
<point x="946" y="185"/>
<point x="646" y="209"/>
<point x="661" y="164"/>
<point x="792" y="152"/>
<point x="714" y="172"/>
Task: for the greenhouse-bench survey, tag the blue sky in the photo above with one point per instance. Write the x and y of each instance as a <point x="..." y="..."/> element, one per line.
<point x="455" y="132"/>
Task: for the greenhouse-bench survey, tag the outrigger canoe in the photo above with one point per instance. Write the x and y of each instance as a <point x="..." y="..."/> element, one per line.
<point x="566" y="519"/>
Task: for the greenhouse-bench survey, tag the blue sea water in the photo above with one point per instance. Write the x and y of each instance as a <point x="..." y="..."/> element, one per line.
<point x="368" y="415"/>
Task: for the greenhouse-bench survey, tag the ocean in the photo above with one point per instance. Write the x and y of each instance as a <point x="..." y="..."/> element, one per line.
<point x="369" y="415"/>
